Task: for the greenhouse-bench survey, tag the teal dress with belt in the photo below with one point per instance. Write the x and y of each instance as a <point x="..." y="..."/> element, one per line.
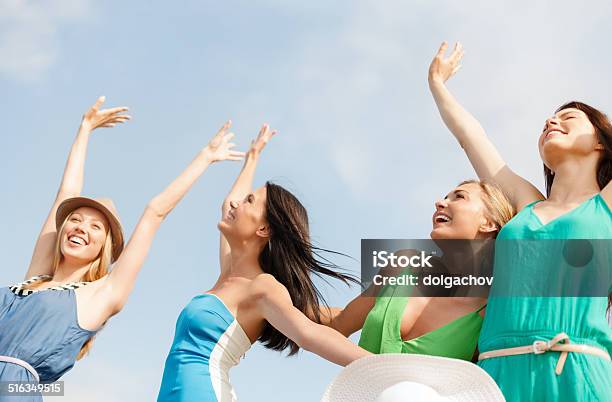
<point x="513" y="321"/>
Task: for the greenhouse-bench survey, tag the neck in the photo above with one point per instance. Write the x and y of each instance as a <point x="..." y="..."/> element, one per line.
<point x="244" y="260"/>
<point x="574" y="181"/>
<point x="464" y="256"/>
<point x="70" y="271"/>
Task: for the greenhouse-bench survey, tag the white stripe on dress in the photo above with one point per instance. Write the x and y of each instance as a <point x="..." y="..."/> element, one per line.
<point x="230" y="347"/>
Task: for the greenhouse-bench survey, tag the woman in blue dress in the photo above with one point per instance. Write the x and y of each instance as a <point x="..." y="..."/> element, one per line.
<point x="264" y="293"/>
<point x="49" y="321"/>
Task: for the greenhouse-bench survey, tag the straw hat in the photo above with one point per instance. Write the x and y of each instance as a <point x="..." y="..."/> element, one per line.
<point x="395" y="377"/>
<point x="104" y="205"/>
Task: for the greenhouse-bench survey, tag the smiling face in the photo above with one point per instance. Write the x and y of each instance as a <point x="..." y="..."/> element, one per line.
<point x="568" y="132"/>
<point x="246" y="218"/>
<point x="83" y="234"/>
<point x="462" y="215"/>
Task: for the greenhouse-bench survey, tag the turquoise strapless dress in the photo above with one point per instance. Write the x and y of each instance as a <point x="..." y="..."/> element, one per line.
<point x="208" y="342"/>
<point x="519" y="321"/>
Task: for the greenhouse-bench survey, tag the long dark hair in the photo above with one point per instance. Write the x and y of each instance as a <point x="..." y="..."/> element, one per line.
<point x="291" y="258"/>
<point x="603" y="129"/>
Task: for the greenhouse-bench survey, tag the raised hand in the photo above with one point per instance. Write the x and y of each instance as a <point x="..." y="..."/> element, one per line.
<point x="219" y="148"/>
<point x="258" y="144"/>
<point x="94" y="117"/>
<point x="442" y="69"/>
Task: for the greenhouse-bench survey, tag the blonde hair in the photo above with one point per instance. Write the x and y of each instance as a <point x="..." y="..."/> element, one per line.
<point x="499" y="209"/>
<point x="98" y="268"/>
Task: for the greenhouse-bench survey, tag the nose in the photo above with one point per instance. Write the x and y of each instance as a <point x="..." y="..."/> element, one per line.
<point x="80" y="228"/>
<point x="551" y="121"/>
<point x="440" y="204"/>
<point x="233" y="204"/>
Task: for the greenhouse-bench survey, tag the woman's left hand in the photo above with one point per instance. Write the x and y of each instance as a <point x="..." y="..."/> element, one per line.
<point x="219" y="148"/>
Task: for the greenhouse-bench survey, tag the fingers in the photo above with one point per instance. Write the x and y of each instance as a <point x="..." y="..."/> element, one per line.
<point x="224" y="127"/>
<point x="237" y="154"/>
<point x="262" y="131"/>
<point x="115" y="110"/>
<point x="99" y="102"/>
<point x="265" y="133"/>
<point x="117" y="119"/>
<point x="457" y="53"/>
<point x="234" y="156"/>
<point x="228" y="136"/>
<point x="121" y="118"/>
<point x="442" y="49"/>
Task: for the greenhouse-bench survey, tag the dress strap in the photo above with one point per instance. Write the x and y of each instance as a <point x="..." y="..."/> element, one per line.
<point x="20" y="291"/>
<point x="481" y="308"/>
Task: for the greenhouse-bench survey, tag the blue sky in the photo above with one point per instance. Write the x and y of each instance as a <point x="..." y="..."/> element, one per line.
<point x="360" y="141"/>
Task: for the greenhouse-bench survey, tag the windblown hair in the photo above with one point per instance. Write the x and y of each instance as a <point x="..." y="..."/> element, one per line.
<point x="98" y="268"/>
<point x="292" y="259"/>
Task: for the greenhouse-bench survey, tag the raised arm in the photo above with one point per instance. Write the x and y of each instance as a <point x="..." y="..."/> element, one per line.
<point x="351" y="318"/>
<point x="276" y="307"/>
<point x="481" y="152"/>
<point x="119" y="283"/>
<point x="242" y="186"/>
<point x="72" y="181"/>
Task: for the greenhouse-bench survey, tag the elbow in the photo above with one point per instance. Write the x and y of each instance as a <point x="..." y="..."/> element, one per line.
<point x="155" y="211"/>
<point x="304" y="343"/>
<point x="306" y="340"/>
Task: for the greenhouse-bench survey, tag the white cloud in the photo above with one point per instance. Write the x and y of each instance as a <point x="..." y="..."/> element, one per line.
<point x="29" y="43"/>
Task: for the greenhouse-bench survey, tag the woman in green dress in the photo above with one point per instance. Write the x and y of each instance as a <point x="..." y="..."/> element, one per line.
<point x="543" y="348"/>
<point x="392" y="322"/>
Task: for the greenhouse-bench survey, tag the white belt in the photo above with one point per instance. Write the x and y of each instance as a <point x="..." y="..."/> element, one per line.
<point x="560" y="343"/>
<point x="21" y="363"/>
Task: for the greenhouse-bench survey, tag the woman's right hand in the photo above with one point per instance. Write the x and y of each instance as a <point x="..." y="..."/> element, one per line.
<point x="258" y="144"/>
<point x="94" y="117"/>
<point x="441" y="69"/>
<point x="219" y="148"/>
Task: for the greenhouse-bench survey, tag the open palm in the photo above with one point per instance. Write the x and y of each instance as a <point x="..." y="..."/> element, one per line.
<point x="219" y="148"/>
<point x="94" y="117"/>
<point x="441" y="69"/>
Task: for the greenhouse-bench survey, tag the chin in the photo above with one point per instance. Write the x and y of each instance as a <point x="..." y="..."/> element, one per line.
<point x="76" y="258"/>
<point x="223" y="227"/>
<point x="439" y="233"/>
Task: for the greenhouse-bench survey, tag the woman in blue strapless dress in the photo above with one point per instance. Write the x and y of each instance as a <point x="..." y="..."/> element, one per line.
<point x="538" y="347"/>
<point x="264" y="292"/>
<point x="48" y="321"/>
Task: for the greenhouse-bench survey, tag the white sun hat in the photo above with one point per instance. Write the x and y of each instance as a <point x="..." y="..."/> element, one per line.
<point x="395" y="377"/>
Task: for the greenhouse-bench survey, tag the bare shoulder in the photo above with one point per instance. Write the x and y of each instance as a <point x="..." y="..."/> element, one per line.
<point x="266" y="287"/>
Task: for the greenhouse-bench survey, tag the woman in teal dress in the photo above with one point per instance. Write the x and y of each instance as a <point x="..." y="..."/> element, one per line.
<point x="543" y="348"/>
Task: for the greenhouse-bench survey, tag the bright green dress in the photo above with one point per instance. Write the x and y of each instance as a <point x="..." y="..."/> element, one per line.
<point x="519" y="321"/>
<point x="381" y="330"/>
